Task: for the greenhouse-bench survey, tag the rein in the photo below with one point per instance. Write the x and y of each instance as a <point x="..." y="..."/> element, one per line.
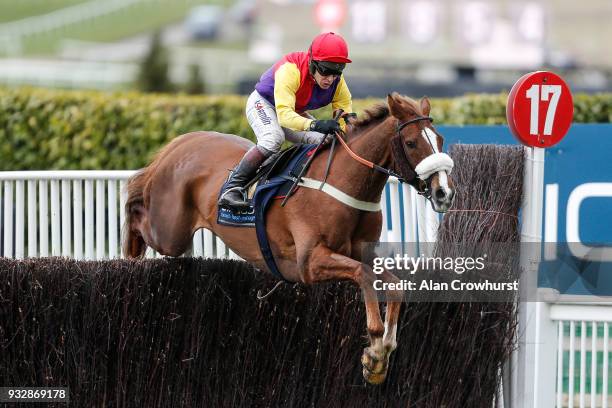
<point x="368" y="163"/>
<point x="422" y="189"/>
<point x="386" y="171"/>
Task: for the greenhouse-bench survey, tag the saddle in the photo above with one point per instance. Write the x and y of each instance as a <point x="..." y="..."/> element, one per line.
<point x="276" y="169"/>
<point x="273" y="180"/>
<point x="274" y="165"/>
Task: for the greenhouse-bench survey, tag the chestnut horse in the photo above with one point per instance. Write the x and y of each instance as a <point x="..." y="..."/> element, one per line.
<point x="314" y="237"/>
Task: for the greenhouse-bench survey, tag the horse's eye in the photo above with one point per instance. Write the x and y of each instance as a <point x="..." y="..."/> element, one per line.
<point x="411" y="144"/>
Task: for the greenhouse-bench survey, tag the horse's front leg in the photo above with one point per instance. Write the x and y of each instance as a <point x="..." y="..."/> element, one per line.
<point x="394" y="304"/>
<point x="323" y="264"/>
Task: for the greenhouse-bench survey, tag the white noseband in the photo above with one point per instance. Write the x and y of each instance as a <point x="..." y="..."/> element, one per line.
<point x="433" y="164"/>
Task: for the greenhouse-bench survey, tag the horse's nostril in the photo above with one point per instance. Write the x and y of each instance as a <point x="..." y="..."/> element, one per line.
<point x="440" y="193"/>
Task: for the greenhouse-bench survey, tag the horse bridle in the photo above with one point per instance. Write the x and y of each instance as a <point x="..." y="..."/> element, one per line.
<point x="422" y="189"/>
<point x="422" y="186"/>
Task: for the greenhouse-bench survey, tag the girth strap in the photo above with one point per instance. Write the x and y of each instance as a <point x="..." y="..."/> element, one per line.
<point x="339" y="195"/>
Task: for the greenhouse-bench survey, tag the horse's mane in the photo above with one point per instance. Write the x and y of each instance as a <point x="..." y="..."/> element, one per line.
<point x="379" y="112"/>
<point x="372" y="115"/>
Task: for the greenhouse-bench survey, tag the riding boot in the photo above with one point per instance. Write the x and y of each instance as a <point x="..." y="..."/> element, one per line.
<point x="233" y="195"/>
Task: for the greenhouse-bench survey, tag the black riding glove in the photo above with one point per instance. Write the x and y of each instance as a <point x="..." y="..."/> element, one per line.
<point x="325" y="126"/>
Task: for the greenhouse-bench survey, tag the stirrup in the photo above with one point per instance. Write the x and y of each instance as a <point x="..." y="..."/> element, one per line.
<point x="244" y="204"/>
<point x="234" y="189"/>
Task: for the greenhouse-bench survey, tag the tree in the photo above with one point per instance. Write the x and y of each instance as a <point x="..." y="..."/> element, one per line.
<point x="195" y="83"/>
<point x="153" y="76"/>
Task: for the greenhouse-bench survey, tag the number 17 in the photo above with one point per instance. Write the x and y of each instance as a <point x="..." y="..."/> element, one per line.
<point x="534" y="94"/>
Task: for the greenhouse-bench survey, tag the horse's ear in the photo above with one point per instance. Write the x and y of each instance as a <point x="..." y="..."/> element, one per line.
<point x="425" y="106"/>
<point x="394" y="104"/>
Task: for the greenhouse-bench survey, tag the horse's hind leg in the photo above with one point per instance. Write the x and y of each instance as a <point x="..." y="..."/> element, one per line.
<point x="171" y="224"/>
<point x="323" y="264"/>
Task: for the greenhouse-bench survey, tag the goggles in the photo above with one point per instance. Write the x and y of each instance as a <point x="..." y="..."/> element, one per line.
<point x="327" y="68"/>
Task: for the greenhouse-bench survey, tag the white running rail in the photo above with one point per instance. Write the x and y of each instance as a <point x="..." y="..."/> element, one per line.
<point x="79" y="214"/>
<point x="583" y="340"/>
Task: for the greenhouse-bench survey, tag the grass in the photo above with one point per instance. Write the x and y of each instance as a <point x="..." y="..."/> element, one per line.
<point x="140" y="18"/>
<point x="17" y="9"/>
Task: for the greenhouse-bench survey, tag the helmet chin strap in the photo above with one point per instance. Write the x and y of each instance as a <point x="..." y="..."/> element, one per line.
<point x="311" y="67"/>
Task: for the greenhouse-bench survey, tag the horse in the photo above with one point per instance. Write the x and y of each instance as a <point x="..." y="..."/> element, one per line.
<point x="314" y="237"/>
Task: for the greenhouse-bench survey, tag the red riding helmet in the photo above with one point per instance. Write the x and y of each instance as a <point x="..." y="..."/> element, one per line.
<point x="329" y="47"/>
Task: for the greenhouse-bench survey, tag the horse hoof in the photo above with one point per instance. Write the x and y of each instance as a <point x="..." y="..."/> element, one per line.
<point x="372" y="363"/>
<point x="374" y="379"/>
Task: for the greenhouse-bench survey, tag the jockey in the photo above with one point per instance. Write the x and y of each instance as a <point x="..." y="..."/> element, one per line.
<point x="276" y="110"/>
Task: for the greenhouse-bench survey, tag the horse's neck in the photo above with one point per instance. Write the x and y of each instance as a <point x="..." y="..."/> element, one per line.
<point x="356" y="179"/>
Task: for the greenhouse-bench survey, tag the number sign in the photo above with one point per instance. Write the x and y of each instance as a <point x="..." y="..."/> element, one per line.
<point x="540" y="109"/>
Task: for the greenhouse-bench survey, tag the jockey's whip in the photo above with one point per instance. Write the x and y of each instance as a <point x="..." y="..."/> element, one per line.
<point x="330" y="157"/>
<point x="339" y="113"/>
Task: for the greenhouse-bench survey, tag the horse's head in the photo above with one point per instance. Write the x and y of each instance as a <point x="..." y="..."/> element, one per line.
<point x="417" y="154"/>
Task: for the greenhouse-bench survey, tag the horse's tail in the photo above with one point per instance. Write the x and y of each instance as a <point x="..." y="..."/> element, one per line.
<point x="134" y="245"/>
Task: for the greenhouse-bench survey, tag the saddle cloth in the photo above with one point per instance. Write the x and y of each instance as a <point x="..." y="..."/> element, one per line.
<point x="274" y="179"/>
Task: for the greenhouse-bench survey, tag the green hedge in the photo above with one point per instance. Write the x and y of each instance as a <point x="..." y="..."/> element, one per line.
<point x="50" y="129"/>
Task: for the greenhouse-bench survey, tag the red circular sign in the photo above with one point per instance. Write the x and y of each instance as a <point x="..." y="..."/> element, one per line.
<point x="540" y="109"/>
<point x="330" y="13"/>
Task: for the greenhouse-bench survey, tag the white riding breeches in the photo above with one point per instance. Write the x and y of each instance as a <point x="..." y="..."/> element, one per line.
<point x="261" y="115"/>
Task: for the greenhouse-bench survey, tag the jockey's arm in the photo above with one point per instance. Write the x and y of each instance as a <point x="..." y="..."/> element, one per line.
<point x="342" y="100"/>
<point x="286" y="84"/>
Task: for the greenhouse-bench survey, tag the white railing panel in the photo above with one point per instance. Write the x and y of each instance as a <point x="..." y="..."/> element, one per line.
<point x="67" y="175"/>
<point x="198" y="244"/>
<point x="567" y="344"/>
<point x="593" y="363"/>
<point x="56" y="245"/>
<point x="32" y="218"/>
<point x="113" y="243"/>
<point x="122" y="201"/>
<point x="580" y="312"/>
<point x="427" y="224"/>
<point x="150" y="253"/>
<point x="77" y="206"/>
<point x="76" y="225"/>
<point x="100" y="221"/>
<point x="209" y="240"/>
<point x="395" y="234"/>
<point x="221" y="248"/>
<point x="233" y="255"/>
<point x="89" y="220"/>
<point x="19" y="219"/>
<point x="384" y="232"/>
<point x="66" y="219"/>
<point x="410" y="215"/>
<point x="583" y="338"/>
<point x="606" y="357"/>
<point x="560" y="365"/>
<point x="572" y="351"/>
<point x="8" y="219"/>
<point x="43" y="214"/>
